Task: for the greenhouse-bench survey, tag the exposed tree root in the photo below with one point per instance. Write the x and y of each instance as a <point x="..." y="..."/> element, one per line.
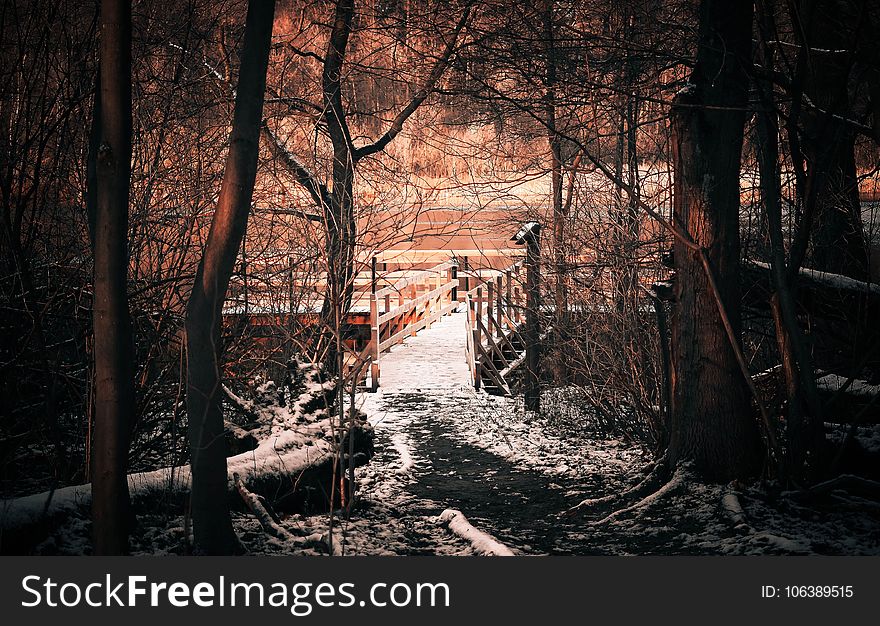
<point x="674" y="484"/>
<point x="258" y="505"/>
<point x="650" y="483"/>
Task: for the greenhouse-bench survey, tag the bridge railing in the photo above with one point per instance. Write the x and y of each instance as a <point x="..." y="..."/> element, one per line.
<point x="495" y="315"/>
<point x="406" y="307"/>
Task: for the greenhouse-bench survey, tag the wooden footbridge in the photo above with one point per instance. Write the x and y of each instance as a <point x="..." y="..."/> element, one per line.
<point x="444" y="269"/>
<point x="494" y="307"/>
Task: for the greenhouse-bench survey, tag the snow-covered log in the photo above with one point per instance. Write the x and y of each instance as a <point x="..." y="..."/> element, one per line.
<point x="271" y="468"/>
<point x="849" y="397"/>
<point x="482" y="542"/>
<point x="733" y="509"/>
<point x="832" y="383"/>
<point x="292" y="465"/>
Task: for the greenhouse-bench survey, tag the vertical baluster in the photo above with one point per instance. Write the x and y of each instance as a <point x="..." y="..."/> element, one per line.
<point x="490" y="303"/>
<point x="508" y="276"/>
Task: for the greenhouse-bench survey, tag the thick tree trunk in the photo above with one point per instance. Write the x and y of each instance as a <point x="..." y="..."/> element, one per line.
<point x="828" y="143"/>
<point x="212" y="526"/>
<point x="711" y="421"/>
<point x="114" y="382"/>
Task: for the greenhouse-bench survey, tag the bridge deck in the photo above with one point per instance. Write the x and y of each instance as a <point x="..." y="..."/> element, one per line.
<point x="432" y="359"/>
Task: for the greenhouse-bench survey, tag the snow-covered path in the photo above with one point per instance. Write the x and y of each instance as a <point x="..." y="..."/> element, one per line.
<point x="441" y="444"/>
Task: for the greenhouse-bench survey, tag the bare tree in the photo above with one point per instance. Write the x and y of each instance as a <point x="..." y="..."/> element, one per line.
<point x="336" y="200"/>
<point x="825" y="31"/>
<point x="114" y="385"/>
<point x="212" y="526"/>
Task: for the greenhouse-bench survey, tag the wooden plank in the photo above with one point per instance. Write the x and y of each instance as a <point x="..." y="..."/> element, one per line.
<point x="514" y="365"/>
<point x="374" y="341"/>
<point x="469" y="327"/>
<point x="492" y="371"/>
<point x="505" y="337"/>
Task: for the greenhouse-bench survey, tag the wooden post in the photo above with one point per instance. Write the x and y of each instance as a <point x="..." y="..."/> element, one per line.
<point x="517" y="311"/>
<point x="453" y="276"/>
<point x="466" y="269"/>
<point x="529" y="235"/>
<point x="478" y="375"/>
<point x="413" y="294"/>
<point x="533" y="302"/>
<point x="509" y="307"/>
<point x="499" y="311"/>
<point x="399" y="320"/>
<point x="374" y="340"/>
<point x="430" y="285"/>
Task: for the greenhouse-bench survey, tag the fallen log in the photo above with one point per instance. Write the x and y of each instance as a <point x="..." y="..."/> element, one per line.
<point x="292" y="469"/>
<point x="733" y="509"/>
<point x="845" y="398"/>
<point x="290" y="457"/>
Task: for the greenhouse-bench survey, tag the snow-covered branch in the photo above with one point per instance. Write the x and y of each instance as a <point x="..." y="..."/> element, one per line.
<point x="828" y="279"/>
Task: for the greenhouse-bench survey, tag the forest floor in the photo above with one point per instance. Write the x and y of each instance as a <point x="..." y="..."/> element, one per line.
<point x="440" y="444"/>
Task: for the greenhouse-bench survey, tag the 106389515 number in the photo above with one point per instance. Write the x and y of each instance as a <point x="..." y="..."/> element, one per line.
<point x="818" y="591"/>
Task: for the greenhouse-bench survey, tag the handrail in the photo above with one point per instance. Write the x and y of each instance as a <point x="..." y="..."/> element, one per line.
<point x="413" y="311"/>
<point x="511" y="268"/>
<point x="415" y="278"/>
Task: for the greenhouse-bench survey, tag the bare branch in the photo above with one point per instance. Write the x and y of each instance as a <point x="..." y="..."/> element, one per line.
<point x="422" y="94"/>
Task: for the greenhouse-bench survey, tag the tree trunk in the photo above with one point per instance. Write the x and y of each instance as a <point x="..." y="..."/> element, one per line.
<point x="828" y="143"/>
<point x="711" y="422"/>
<point x="212" y="526"/>
<point x="559" y="209"/>
<point x="114" y="381"/>
<point x="339" y="215"/>
<point x="804" y="430"/>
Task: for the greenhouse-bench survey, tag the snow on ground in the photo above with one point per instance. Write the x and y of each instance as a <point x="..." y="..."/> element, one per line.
<point x="441" y="445"/>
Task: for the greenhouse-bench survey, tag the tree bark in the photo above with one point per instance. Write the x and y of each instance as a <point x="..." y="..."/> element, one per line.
<point x="113" y="349"/>
<point x="711" y="422"/>
<point x="338" y="205"/>
<point x="212" y="526"/>
<point x="829" y="29"/>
